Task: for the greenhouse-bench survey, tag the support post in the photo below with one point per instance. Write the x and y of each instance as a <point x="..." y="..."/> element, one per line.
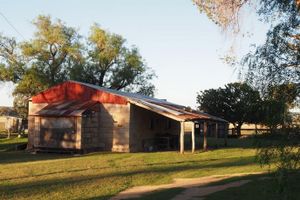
<point x="217" y="130"/>
<point x="204" y="136"/>
<point x="193" y="137"/>
<point x="181" y="137"/>
<point x="226" y="134"/>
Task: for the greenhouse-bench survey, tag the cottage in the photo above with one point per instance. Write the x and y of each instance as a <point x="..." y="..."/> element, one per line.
<point x="83" y="117"/>
<point x="9" y="120"/>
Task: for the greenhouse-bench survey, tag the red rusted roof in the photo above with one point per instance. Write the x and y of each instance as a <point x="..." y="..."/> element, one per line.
<point x="66" y="108"/>
<point x="71" y="90"/>
<point x="84" y="92"/>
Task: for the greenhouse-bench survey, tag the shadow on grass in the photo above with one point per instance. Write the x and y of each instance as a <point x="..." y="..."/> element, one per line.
<point x="161" y="194"/>
<point x="162" y="170"/>
<point x="7" y="156"/>
<point x="11" y="143"/>
<point x="260" y="187"/>
<point x="10" y="146"/>
<point x="23" y="156"/>
<point x="154" y="167"/>
<point x="168" y="194"/>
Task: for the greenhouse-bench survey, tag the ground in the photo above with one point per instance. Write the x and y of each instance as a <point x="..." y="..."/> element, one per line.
<point x="103" y="175"/>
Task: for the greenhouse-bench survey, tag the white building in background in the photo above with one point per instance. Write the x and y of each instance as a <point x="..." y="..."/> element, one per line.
<point x="9" y="120"/>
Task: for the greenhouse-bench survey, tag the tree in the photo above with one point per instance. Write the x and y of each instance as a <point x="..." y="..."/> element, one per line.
<point x="109" y="63"/>
<point x="272" y="66"/>
<point x="237" y="103"/>
<point x="276" y="104"/>
<point x="222" y="12"/>
<point x="227" y="13"/>
<point x="39" y="63"/>
<point x="57" y="53"/>
<point x="277" y="61"/>
<point x="50" y="51"/>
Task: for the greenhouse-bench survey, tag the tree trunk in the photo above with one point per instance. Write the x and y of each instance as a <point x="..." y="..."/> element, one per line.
<point x="238" y="130"/>
<point x="8" y="133"/>
<point x="256" y="129"/>
<point x="21" y="128"/>
<point x="233" y="130"/>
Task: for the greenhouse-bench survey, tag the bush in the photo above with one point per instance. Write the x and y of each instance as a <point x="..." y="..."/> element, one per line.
<point x="283" y="151"/>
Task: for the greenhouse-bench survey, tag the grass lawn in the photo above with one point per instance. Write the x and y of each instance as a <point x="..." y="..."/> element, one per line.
<point x="102" y="175"/>
<point x="258" y="189"/>
<point x="10" y="144"/>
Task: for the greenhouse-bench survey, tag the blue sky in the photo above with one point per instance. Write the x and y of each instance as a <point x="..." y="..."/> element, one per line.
<point x="179" y="43"/>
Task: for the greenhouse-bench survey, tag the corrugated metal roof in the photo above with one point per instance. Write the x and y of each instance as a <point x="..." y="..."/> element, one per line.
<point x="160" y="106"/>
<point x="69" y="108"/>
<point x="8" y="111"/>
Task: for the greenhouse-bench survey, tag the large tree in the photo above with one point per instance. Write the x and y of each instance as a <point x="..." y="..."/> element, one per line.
<point x="277" y="61"/>
<point x="236" y="102"/>
<point x="39" y="63"/>
<point x="57" y="53"/>
<point x="276" y="105"/>
<point x="110" y="63"/>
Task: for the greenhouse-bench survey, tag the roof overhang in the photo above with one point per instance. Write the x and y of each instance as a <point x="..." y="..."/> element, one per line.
<point x="66" y="109"/>
<point x="175" y="113"/>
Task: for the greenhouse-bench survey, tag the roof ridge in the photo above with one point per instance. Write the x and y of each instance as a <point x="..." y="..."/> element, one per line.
<point x="129" y="95"/>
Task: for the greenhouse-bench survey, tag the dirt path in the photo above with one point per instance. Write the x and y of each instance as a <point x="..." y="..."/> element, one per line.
<point x="192" y="185"/>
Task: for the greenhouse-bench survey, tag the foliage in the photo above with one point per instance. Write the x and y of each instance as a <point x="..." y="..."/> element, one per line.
<point x="237" y="103"/>
<point x="56" y="53"/>
<point x="273" y="67"/>
<point x="285" y="155"/>
<point x="259" y="188"/>
<point x="109" y="63"/>
<point x="227" y="14"/>
<point x="276" y="104"/>
<point x="49" y="52"/>
<point x="277" y="61"/>
<point x="274" y="113"/>
<point x="222" y="12"/>
<point x="39" y="63"/>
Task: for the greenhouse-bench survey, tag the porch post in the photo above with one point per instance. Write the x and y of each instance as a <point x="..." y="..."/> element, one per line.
<point x="204" y="136"/>
<point x="193" y="137"/>
<point x="217" y="131"/>
<point x="182" y="137"/>
<point x="226" y="127"/>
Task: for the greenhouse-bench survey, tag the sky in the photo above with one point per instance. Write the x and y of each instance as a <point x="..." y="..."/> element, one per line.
<point x="180" y="44"/>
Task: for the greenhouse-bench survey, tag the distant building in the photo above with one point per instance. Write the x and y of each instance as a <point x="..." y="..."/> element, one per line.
<point x="84" y="117"/>
<point x="9" y="120"/>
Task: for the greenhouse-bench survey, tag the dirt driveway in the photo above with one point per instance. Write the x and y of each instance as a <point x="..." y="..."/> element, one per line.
<point x="195" y="187"/>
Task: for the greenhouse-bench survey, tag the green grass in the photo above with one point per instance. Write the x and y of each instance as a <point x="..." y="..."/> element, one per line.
<point x="10" y="144"/>
<point x="102" y="175"/>
<point x="260" y="190"/>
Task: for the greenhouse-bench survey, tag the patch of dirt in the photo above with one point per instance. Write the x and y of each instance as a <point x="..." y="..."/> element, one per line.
<point x="201" y="192"/>
<point x="193" y="187"/>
